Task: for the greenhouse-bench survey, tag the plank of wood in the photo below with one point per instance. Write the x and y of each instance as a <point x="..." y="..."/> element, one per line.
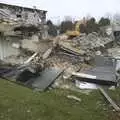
<point x="31" y="58"/>
<point x="74" y="98"/>
<point x="83" y="75"/>
<point x="115" y="106"/>
<point x="47" y="53"/>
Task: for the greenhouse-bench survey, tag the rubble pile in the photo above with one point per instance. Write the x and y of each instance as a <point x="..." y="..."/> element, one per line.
<point x="39" y="63"/>
<point x="114" y="52"/>
<point x="92" y="41"/>
<point x="86" y="46"/>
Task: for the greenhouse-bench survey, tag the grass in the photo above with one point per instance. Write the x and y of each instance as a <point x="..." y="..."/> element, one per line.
<point x="20" y="103"/>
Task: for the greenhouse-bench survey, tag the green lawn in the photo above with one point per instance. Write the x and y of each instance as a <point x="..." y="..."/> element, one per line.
<point x="20" y="103"/>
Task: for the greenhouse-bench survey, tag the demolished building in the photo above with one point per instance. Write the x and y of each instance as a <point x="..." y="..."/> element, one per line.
<point x="27" y="15"/>
<point x="18" y="23"/>
<point x="49" y="61"/>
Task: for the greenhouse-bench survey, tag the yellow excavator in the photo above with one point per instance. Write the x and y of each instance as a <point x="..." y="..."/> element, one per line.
<point x="76" y="32"/>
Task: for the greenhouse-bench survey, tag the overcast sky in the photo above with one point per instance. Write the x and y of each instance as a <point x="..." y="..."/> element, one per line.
<point x="57" y="9"/>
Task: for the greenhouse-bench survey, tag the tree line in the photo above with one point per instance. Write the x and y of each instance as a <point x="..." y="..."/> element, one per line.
<point x="91" y="25"/>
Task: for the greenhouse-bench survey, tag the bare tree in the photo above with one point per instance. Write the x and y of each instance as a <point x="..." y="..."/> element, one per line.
<point x="67" y="18"/>
<point x="88" y="16"/>
<point x="67" y="24"/>
<point x="109" y="16"/>
<point x="116" y="18"/>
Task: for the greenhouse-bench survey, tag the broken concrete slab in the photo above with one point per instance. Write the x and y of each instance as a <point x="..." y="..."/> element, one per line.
<point x="29" y="44"/>
<point x="102" y="77"/>
<point x="105" y="61"/>
<point x="103" y="73"/>
<point x="67" y="46"/>
<point x="44" y="80"/>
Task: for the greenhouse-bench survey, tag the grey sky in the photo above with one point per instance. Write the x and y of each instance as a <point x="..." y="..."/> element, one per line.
<point x="74" y="8"/>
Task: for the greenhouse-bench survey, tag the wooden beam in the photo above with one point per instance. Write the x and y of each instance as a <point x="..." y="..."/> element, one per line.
<point x="31" y="58"/>
<point x="115" y="106"/>
<point x="83" y="75"/>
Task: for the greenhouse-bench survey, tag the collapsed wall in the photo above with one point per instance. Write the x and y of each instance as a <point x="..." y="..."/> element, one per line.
<point x="87" y="46"/>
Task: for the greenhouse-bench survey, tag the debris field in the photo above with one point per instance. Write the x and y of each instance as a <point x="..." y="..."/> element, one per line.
<point x="29" y="58"/>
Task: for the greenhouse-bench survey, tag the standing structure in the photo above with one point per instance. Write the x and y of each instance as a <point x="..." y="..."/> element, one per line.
<point x="25" y="18"/>
<point x="17" y="23"/>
